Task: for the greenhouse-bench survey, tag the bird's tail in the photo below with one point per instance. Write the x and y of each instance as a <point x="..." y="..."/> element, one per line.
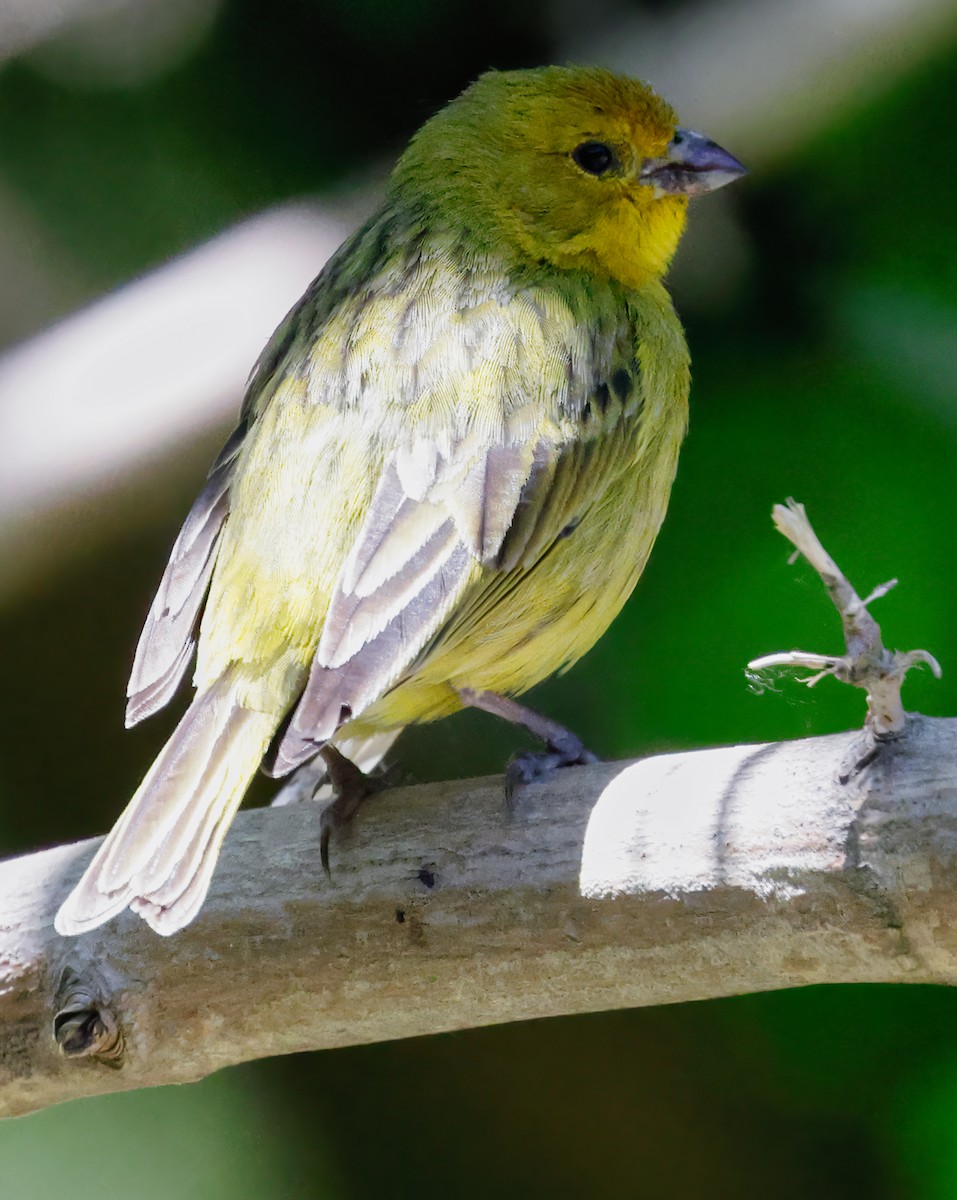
<point x="159" y="857"/>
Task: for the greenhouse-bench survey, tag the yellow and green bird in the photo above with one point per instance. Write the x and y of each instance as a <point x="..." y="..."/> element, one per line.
<point x="452" y="461"/>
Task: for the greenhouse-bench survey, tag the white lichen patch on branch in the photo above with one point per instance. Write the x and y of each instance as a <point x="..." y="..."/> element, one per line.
<point x="867" y="663"/>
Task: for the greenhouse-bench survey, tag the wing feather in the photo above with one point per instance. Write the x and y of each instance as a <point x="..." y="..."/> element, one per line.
<point x="484" y="503"/>
<point x="333" y="694"/>
<point x="561" y="485"/>
<point x="395" y="523"/>
<point x="356" y="618"/>
<point x="167" y="642"/>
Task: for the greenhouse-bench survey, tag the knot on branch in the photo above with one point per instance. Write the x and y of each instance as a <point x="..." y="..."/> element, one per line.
<point x="867" y="663"/>
<point x="84" y="1026"/>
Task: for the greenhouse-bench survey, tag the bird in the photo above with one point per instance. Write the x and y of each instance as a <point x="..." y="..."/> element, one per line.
<point x="451" y="464"/>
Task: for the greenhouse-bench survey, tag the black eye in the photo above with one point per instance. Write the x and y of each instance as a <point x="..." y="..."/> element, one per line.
<point x="594" y="157"/>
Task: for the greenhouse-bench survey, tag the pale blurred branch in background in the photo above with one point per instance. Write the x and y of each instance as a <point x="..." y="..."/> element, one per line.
<point x="124" y="385"/>
<point x="147" y="33"/>
<point x="772" y="72"/>
<point x="130" y="381"/>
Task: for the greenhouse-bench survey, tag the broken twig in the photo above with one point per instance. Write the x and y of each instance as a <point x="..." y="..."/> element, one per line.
<point x="867" y="663"/>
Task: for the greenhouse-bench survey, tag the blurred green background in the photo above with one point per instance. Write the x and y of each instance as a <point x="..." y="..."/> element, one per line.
<point x="820" y="297"/>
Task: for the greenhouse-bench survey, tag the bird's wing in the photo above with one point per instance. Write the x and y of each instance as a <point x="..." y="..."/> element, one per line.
<point x="446" y="534"/>
<point x="420" y="552"/>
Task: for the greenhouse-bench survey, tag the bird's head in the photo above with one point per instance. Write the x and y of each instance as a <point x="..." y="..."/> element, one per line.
<point x="573" y="167"/>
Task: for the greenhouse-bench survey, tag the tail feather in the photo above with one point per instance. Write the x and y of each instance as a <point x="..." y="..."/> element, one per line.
<point x="367" y="750"/>
<point x="191" y="883"/>
<point x="159" y="857"/>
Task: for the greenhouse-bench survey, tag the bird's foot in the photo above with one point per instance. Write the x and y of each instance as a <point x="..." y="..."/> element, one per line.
<point x="351" y="788"/>
<point x="339" y="785"/>
<point x="562" y="747"/>
<point x="533" y="766"/>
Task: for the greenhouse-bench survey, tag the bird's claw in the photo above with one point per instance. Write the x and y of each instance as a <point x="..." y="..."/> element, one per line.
<point x="352" y="787"/>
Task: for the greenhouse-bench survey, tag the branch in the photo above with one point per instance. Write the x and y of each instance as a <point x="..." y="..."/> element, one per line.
<point x="680" y="877"/>
<point x="234" y="290"/>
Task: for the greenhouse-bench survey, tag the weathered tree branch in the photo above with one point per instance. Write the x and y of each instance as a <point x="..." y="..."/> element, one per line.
<point x="676" y="878"/>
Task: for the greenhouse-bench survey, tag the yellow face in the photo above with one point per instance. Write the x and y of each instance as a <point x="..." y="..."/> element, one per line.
<point x="583" y="201"/>
<point x="551" y="161"/>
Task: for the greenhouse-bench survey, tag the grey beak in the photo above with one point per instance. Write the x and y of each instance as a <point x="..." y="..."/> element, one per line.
<point x="692" y="165"/>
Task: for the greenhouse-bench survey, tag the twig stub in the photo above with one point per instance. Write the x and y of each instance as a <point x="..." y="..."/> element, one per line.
<point x="867" y="663"/>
